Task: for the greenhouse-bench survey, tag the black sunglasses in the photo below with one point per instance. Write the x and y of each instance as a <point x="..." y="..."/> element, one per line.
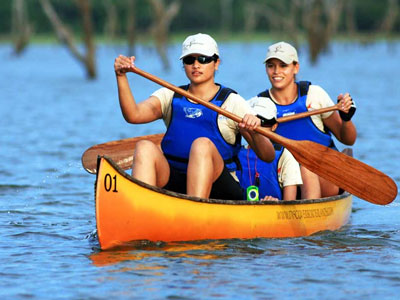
<point x="189" y="60"/>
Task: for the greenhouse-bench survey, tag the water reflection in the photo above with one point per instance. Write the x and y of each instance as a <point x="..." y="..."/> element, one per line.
<point x="347" y="240"/>
<point x="141" y="250"/>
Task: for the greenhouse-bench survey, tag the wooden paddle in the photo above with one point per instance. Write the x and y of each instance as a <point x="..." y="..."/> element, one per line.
<point x="121" y="152"/>
<point x="346" y="172"/>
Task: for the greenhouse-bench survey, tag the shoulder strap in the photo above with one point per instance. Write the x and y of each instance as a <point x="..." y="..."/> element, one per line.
<point x="183" y="87"/>
<point x="304" y="86"/>
<point x="224" y="93"/>
<point x="277" y="146"/>
<point x="264" y="94"/>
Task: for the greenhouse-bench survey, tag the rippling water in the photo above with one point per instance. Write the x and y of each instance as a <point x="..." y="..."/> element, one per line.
<point x="50" y="114"/>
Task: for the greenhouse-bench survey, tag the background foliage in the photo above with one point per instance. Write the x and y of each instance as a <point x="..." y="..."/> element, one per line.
<point x="198" y="15"/>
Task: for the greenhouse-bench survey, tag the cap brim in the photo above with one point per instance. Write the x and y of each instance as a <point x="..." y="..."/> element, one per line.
<point x="286" y="61"/>
<point x="197" y="51"/>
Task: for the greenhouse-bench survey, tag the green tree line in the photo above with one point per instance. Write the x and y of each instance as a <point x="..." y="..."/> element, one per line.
<point x="206" y="15"/>
<point x="315" y="21"/>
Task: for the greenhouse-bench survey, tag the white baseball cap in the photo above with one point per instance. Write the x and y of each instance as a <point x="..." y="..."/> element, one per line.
<point x="199" y="44"/>
<point x="282" y="51"/>
<point x="263" y="106"/>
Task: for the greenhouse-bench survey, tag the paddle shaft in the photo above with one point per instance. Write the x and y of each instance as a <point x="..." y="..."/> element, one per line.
<point x="122" y="151"/>
<point x="307" y="114"/>
<point x="346" y="172"/>
<point x="266" y="132"/>
<point x="222" y="111"/>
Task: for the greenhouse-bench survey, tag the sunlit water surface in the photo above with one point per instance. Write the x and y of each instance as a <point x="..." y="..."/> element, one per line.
<point x="50" y="114"/>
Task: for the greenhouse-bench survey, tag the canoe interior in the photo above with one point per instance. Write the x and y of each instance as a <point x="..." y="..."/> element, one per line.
<point x="217" y="201"/>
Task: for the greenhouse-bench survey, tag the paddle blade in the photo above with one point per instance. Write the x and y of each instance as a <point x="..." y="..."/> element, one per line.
<point x="121" y="152"/>
<point x="354" y="176"/>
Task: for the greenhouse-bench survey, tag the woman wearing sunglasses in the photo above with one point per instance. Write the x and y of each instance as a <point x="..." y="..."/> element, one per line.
<point x="292" y="97"/>
<point x="198" y="154"/>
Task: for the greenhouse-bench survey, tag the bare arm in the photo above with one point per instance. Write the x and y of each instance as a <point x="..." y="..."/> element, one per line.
<point x="261" y="145"/>
<point x="136" y="113"/>
<point x="344" y="131"/>
<point x="290" y="192"/>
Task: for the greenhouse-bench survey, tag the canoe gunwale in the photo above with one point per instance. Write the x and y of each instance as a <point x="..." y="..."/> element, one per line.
<point x="212" y="201"/>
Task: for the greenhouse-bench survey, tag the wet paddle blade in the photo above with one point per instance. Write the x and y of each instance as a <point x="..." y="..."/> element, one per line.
<point x="355" y="177"/>
<point x="121" y="152"/>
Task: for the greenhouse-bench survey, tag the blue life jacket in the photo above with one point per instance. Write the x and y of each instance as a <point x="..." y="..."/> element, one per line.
<point x="190" y="121"/>
<point x="257" y="172"/>
<point x="304" y="128"/>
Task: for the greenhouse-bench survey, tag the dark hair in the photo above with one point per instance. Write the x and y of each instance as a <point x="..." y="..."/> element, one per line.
<point x="295" y="77"/>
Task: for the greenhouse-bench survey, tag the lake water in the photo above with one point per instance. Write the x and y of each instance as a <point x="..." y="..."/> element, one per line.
<point x="50" y="114"/>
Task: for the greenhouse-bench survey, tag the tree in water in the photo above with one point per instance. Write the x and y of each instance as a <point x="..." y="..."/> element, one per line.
<point x="321" y="20"/>
<point x="349" y="15"/>
<point x="390" y="18"/>
<point x="130" y="25"/>
<point x="21" y="29"/>
<point x="163" y="16"/>
<point x="111" y="22"/>
<point x="283" y="19"/>
<point x="66" y="37"/>
<point x="226" y="16"/>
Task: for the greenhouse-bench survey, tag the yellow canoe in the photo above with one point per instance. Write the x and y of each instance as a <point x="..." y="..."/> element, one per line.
<point x="129" y="210"/>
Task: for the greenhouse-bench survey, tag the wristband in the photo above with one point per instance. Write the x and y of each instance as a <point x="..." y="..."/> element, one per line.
<point x="266" y="122"/>
<point x="347" y="116"/>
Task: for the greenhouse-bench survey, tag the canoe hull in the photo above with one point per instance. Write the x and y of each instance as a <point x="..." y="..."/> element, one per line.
<point x="128" y="210"/>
